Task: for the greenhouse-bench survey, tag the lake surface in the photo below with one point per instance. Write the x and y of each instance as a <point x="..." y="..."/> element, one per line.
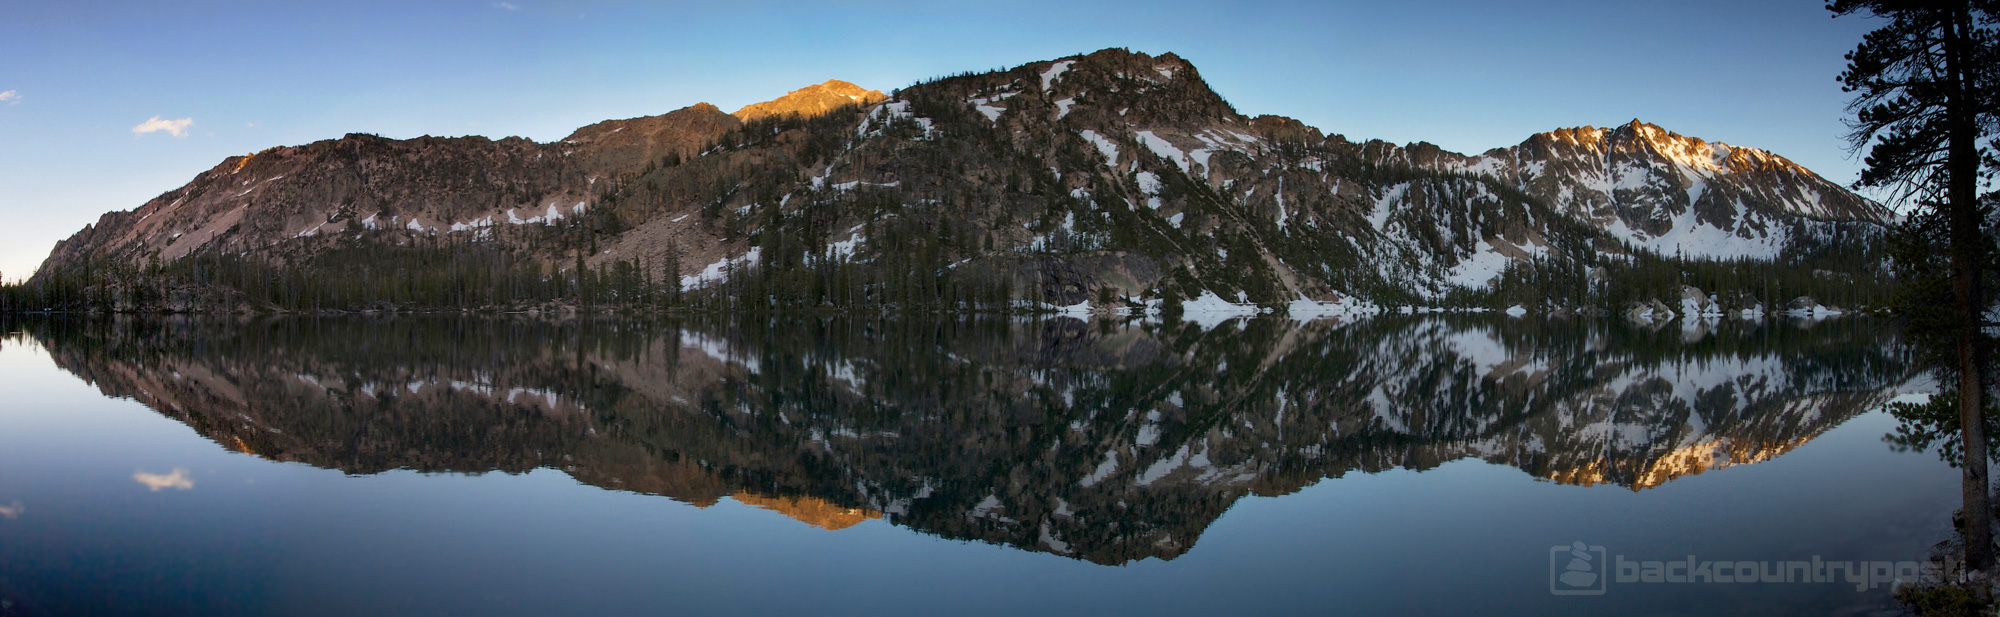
<point x="1391" y="465"/>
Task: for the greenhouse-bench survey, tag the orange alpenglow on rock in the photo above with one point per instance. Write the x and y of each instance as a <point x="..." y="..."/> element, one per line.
<point x="1686" y="460"/>
<point x="810" y="510"/>
<point x="812" y="100"/>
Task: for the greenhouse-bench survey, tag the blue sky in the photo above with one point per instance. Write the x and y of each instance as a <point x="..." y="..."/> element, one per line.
<point x="78" y="79"/>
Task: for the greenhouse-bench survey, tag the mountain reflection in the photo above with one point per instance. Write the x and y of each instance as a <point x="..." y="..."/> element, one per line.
<point x="1102" y="441"/>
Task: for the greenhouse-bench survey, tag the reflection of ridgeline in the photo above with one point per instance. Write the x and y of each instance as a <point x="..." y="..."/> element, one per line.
<point x="1099" y="441"/>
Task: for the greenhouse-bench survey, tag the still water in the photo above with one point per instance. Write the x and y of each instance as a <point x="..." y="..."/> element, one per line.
<point x="495" y="466"/>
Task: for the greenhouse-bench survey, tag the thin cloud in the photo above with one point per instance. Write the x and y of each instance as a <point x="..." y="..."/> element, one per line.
<point x="13" y="510"/>
<point x="10" y="97"/>
<point x="177" y="480"/>
<point x="177" y="128"/>
<point x="506" y="6"/>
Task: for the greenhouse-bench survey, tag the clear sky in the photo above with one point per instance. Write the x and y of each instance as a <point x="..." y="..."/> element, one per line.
<point x="80" y="81"/>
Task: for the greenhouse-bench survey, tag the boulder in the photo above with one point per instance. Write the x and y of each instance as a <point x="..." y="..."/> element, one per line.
<point x="1806" y="306"/>
<point x="1694" y="303"/>
<point x="1649" y="312"/>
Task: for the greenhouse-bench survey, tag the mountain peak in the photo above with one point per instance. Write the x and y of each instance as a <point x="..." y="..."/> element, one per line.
<point x="1639" y="129"/>
<point x="1639" y="135"/>
<point x="1692" y="151"/>
<point x="1659" y="181"/>
<point x="812" y="100"/>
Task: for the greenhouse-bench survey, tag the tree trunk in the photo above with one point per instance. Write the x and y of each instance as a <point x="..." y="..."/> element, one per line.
<point x="1978" y="512"/>
<point x="1967" y="261"/>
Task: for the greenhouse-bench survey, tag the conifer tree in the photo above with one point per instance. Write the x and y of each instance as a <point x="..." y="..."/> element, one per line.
<point x="1925" y="88"/>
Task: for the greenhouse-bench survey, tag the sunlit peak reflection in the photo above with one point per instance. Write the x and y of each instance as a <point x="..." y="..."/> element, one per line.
<point x="809" y="510"/>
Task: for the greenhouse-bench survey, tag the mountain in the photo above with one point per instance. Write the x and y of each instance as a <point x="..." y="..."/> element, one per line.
<point x="1105" y="441"/>
<point x="813" y="100"/>
<point x="1673" y="194"/>
<point x="1112" y="178"/>
<point x="613" y="147"/>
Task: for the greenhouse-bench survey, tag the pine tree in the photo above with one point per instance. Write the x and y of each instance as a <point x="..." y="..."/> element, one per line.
<point x="1926" y="86"/>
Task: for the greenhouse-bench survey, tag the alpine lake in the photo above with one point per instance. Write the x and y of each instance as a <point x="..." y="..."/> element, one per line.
<point x="1386" y="465"/>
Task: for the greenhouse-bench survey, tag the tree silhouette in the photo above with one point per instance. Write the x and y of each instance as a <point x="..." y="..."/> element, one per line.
<point x="1925" y="87"/>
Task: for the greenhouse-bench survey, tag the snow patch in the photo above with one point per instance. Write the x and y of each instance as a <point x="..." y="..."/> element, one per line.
<point x="1304" y="309"/>
<point x="1104" y="470"/>
<point x="1166" y="150"/>
<point x="1479" y="269"/>
<point x="1210" y="310"/>
<point x="1055" y="72"/>
<point x="719" y="271"/>
<point x="1104" y="146"/>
